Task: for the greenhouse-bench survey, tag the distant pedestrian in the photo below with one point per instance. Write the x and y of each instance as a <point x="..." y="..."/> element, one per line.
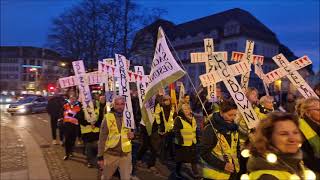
<point x="55" y="111"/>
<point x="114" y="148"/>
<point x="70" y="124"/>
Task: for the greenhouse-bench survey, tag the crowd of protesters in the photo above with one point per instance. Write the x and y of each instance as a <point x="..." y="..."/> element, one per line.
<point x="210" y="135"/>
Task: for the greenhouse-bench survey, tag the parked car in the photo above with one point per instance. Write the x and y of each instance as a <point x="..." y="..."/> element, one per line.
<point x="30" y="104"/>
<point x="6" y="99"/>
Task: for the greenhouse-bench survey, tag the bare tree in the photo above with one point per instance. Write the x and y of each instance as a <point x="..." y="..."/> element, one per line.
<point x="95" y="29"/>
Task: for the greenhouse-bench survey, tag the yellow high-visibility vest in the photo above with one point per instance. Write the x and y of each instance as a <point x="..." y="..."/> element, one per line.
<point x="168" y="125"/>
<point x="114" y="136"/>
<point x="311" y="136"/>
<point x="229" y="151"/>
<point x="188" y="132"/>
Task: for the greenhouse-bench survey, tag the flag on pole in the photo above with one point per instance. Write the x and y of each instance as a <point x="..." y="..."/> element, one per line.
<point x="182" y="92"/>
<point x="173" y="95"/>
<point x="164" y="71"/>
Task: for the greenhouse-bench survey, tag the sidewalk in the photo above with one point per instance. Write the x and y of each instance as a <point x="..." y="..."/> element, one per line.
<point x="21" y="156"/>
<point x="28" y="156"/>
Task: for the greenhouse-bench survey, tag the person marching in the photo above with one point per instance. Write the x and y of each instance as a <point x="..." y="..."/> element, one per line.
<point x="275" y="152"/>
<point x="70" y="124"/>
<point x="309" y="124"/>
<point x="220" y="144"/>
<point x="114" y="147"/>
<point x="185" y="127"/>
<point x="90" y="132"/>
<point x="164" y="116"/>
<point x="264" y="107"/>
<point x="55" y="110"/>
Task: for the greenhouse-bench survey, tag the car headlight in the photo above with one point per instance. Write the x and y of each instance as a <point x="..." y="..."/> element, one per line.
<point x="21" y="107"/>
<point x="8" y="100"/>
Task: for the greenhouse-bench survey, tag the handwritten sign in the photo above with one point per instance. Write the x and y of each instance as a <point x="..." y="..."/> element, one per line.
<point x="225" y="73"/>
<point x="295" y="78"/>
<point x="124" y="90"/>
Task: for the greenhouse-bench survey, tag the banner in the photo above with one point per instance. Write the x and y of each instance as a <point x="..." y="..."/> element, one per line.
<point x="164" y="71"/>
<point x="124" y="90"/>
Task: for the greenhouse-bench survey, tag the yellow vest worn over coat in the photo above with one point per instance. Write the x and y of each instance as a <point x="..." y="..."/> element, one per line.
<point x="230" y="151"/>
<point x="168" y="124"/>
<point x="188" y="132"/>
<point x="311" y="136"/>
<point x="89" y="128"/>
<point x="114" y="136"/>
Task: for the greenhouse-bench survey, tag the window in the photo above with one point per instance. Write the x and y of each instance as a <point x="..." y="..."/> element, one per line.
<point x="214" y="34"/>
<point x="24" y="77"/>
<point x="32" y="62"/>
<point x="231" y="46"/>
<point x="231" y="28"/>
<point x="255" y="49"/>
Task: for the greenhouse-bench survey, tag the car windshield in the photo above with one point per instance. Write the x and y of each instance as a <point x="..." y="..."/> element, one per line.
<point x="26" y="100"/>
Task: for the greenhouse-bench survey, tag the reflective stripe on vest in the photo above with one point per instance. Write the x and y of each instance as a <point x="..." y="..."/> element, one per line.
<point x="312" y="137"/>
<point x="114" y="136"/>
<point x="96" y="111"/>
<point x="278" y="174"/>
<point x="188" y="132"/>
<point x="168" y="125"/>
<point x="89" y="129"/>
<point x="69" y="109"/>
<point x="157" y="113"/>
<point x="230" y="152"/>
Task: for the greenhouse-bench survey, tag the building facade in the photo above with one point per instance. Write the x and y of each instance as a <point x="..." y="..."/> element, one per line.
<point x="30" y="69"/>
<point x="229" y="29"/>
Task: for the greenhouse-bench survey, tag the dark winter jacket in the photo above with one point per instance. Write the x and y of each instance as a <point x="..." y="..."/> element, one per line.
<point x="209" y="140"/>
<point x="55" y="106"/>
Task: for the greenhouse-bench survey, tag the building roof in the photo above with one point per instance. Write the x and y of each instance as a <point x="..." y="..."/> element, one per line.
<point x="28" y="52"/>
<point x="249" y="26"/>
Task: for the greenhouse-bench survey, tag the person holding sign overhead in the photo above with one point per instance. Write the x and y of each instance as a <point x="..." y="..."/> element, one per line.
<point x="114" y="148"/>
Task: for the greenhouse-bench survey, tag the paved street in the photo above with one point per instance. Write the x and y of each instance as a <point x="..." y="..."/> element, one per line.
<point x="27" y="153"/>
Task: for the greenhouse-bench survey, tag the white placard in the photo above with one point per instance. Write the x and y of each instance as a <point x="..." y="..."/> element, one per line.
<point x="294" y="77"/>
<point x="235" y="90"/>
<point x="124" y="90"/>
